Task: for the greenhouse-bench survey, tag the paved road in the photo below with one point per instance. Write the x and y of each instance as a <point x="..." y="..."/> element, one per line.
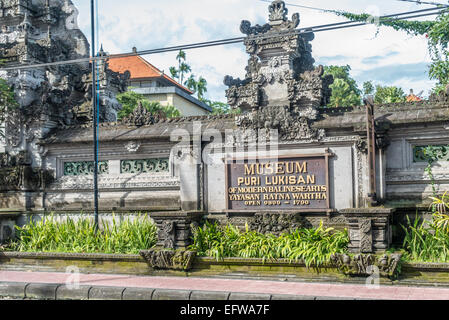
<point x="101" y="286"/>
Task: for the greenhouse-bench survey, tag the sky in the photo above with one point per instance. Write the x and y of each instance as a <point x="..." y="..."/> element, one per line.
<point x="386" y="57"/>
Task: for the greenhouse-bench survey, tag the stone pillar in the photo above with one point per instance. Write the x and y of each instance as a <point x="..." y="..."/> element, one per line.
<point x="174" y="228"/>
<point x="7" y="226"/>
<point x="188" y="167"/>
<point x="369" y="229"/>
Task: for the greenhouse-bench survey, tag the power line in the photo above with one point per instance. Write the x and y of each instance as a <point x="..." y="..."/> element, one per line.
<point x="319" y="28"/>
<point x="301" y="6"/>
<point x="424" y="2"/>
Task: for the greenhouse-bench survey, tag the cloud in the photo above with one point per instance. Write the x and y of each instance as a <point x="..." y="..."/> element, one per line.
<point x="156" y="24"/>
<point x="394" y="73"/>
<point x="378" y="59"/>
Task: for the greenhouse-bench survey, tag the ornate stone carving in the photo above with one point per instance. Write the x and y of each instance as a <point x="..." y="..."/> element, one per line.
<point x="169" y="259"/>
<point x="282" y="88"/>
<point x="40" y="32"/>
<point x="133" y="146"/>
<point x="312" y="89"/>
<point x="24" y="178"/>
<point x="362" y="146"/>
<point x="168" y="234"/>
<point x="274" y="223"/>
<point x="369" y="229"/>
<point x="364" y="265"/>
<point x="8" y="161"/>
<point x="291" y="123"/>
<point x="175" y="228"/>
<point x="246" y="28"/>
<point x="366" y="241"/>
<point x="243" y="96"/>
<point x="141" y="117"/>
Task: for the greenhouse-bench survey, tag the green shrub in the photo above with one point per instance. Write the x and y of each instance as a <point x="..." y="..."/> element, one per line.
<point x="429" y="241"/>
<point x="425" y="242"/>
<point x="314" y="246"/>
<point x="79" y="236"/>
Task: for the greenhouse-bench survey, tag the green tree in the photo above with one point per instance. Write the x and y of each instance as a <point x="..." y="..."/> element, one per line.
<point x="174" y="72"/>
<point x="184" y="68"/>
<point x="191" y="83"/>
<point x="384" y="94"/>
<point x="198" y="87"/>
<point x="345" y="92"/>
<point x="437" y="33"/>
<point x="219" y="108"/>
<point x="130" y="100"/>
<point x="201" y="87"/>
<point x="390" y="94"/>
<point x="368" y="88"/>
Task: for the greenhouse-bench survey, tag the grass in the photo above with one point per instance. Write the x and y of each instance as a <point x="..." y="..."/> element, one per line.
<point x="79" y="236"/>
<point x="313" y="246"/>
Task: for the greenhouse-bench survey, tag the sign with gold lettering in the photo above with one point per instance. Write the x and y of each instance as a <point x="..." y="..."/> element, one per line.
<point x="299" y="183"/>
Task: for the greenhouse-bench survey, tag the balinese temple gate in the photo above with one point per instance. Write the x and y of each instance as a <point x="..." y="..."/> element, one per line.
<point x="285" y="161"/>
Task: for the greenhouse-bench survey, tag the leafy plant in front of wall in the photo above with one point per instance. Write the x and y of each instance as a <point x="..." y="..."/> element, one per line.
<point x="429" y="241"/>
<point x="313" y="246"/>
<point x="432" y="154"/>
<point x="79" y="236"/>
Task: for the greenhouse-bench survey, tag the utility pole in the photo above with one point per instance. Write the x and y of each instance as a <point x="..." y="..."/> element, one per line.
<point x="371" y="141"/>
<point x="95" y="114"/>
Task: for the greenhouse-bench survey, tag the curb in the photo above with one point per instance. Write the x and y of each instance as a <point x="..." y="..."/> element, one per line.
<point x="50" y="291"/>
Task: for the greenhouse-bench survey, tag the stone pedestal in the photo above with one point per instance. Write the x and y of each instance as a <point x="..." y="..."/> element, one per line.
<point x="174" y="228"/>
<point x="7" y="225"/>
<point x="369" y="229"/>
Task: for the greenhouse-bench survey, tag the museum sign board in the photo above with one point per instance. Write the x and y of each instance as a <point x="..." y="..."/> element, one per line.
<point x="299" y="182"/>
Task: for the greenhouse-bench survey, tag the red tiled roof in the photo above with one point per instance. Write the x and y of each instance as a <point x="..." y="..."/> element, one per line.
<point x="413" y="98"/>
<point x="140" y="69"/>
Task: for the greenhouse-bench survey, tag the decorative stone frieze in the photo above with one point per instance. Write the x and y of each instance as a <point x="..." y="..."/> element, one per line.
<point x="367" y="264"/>
<point x="82" y="168"/>
<point x="145" y="166"/>
<point x="274" y="223"/>
<point x="169" y="259"/>
<point x="17" y="174"/>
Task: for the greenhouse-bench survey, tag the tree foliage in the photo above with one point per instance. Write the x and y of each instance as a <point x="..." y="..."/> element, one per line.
<point x="437" y="33"/>
<point x="219" y="108"/>
<point x="384" y="94"/>
<point x="198" y="87"/>
<point x="345" y="92"/>
<point x="389" y="94"/>
<point x="130" y="100"/>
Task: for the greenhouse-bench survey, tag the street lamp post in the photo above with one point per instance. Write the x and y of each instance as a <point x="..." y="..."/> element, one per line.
<point x="95" y="114"/>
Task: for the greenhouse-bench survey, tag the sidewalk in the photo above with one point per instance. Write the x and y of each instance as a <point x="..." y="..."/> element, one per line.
<point x="39" y="285"/>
